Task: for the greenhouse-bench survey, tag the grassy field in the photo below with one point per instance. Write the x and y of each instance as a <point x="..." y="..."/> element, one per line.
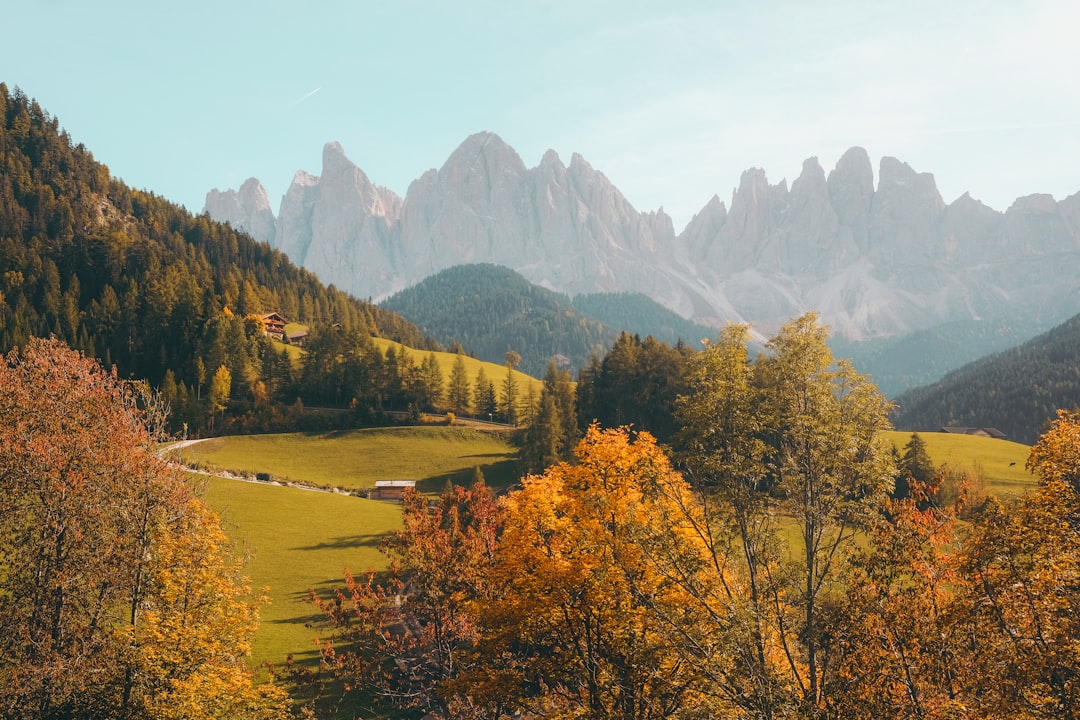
<point x="495" y="373"/>
<point x="298" y="540"/>
<point x="1000" y="461"/>
<point x="355" y="459"/>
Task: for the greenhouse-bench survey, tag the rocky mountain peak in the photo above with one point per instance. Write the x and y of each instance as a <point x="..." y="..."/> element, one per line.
<point x="904" y="215"/>
<point x="304" y="179"/>
<point x="481" y="157"/>
<point x="811" y="181"/>
<point x="247" y="210"/>
<point x="1034" y="203"/>
<point x="551" y="159"/>
<point x="253" y="195"/>
<point x="334" y="159"/>
<point x="851" y="191"/>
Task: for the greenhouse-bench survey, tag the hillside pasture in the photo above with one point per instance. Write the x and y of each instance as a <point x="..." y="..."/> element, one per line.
<point x="355" y="459"/>
<point x="296" y="541"/>
<point x="1001" y="462"/>
<point x="495" y="373"/>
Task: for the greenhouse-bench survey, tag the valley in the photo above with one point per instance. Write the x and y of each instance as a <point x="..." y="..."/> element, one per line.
<point x="295" y="541"/>
<point x="720" y="528"/>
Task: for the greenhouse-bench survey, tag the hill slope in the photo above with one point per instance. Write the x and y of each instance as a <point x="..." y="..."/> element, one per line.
<point x="491" y="310"/>
<point x="130" y="278"/>
<point x="640" y="315"/>
<point x="1016" y="390"/>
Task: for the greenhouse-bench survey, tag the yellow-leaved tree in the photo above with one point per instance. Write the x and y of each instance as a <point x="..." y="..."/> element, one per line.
<point x="586" y="620"/>
<point x="194" y="637"/>
<point x="791" y="465"/>
<point x="1017" y="612"/>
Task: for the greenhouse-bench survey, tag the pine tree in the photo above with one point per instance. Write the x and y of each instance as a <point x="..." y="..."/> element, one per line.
<point x="457" y="393"/>
<point x="484" y="395"/>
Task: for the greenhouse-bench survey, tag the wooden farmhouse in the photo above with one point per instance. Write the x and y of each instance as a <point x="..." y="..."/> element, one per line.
<point x="392" y="490"/>
<point x="274" y="325"/>
<point x="298" y="337"/>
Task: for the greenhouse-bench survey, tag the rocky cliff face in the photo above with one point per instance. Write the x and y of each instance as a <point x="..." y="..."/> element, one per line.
<point x="247" y="209"/>
<point x="875" y="261"/>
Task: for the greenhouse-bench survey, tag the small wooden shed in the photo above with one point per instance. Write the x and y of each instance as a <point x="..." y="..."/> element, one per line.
<point x="392" y="490"/>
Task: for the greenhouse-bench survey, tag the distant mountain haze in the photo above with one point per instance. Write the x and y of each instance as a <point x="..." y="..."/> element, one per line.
<point x="878" y="262"/>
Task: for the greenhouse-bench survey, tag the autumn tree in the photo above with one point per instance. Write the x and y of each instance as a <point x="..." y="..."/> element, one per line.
<point x="401" y="636"/>
<point x="585" y="619"/>
<point x="899" y="650"/>
<point x="220" y="390"/>
<point x="1017" y="609"/>
<point x="91" y="524"/>
<point x="794" y="434"/>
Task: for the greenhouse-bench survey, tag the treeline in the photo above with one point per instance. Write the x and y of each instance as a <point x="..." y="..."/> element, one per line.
<point x="639" y="314"/>
<point x="764" y="567"/>
<point x="1016" y="391"/>
<point x="130" y="278"/>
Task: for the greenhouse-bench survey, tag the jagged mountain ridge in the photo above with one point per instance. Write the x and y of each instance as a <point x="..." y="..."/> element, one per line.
<point x="877" y="262"/>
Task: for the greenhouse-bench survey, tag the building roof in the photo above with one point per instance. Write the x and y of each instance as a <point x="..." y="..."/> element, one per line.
<point x="395" y="483"/>
<point x="984" y="431"/>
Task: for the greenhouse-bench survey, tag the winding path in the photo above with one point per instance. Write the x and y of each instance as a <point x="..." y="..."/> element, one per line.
<point x="181" y="444"/>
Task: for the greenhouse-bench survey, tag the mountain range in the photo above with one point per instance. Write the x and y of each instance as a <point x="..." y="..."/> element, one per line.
<point x="878" y="261"/>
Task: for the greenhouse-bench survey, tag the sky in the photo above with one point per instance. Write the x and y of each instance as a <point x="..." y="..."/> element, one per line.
<point x="671" y="101"/>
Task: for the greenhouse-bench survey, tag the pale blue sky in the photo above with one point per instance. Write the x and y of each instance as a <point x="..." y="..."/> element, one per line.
<point x="672" y="101"/>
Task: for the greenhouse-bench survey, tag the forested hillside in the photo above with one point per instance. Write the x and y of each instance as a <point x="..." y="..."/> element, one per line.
<point x="640" y="315"/>
<point x="491" y="310"/>
<point x="923" y="357"/>
<point x="130" y="278"/>
<point x="1017" y="391"/>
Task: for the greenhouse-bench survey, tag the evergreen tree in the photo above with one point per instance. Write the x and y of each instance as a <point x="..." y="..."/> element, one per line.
<point x="508" y="402"/>
<point x="914" y="464"/>
<point x="457" y="393"/>
<point x="484" y="395"/>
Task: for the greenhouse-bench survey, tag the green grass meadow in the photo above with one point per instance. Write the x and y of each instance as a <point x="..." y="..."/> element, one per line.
<point x="355" y="459"/>
<point x="296" y="541"/>
<point x="1000" y="461"/>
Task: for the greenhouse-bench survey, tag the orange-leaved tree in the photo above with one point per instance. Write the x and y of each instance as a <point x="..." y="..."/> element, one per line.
<point x="1023" y="566"/>
<point x="90" y="523"/>
<point x="406" y="631"/>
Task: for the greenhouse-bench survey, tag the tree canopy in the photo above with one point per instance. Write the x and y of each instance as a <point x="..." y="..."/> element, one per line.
<point x="121" y="597"/>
